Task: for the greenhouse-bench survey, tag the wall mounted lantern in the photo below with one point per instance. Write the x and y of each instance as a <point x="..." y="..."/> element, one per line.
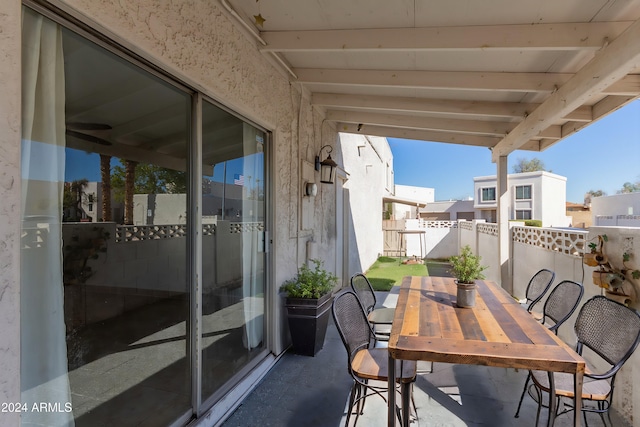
<point x="327" y="167"/>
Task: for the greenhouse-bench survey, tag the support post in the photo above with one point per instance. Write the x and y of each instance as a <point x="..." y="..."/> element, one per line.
<point x="504" y="241"/>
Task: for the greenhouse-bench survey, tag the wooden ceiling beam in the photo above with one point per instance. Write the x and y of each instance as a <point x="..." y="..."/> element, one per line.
<point x="478" y="127"/>
<point x="610" y="65"/>
<point x="627" y="86"/>
<point x="558" y="36"/>
<point x="452" y="80"/>
<point x="418" y="134"/>
<point x="438" y="106"/>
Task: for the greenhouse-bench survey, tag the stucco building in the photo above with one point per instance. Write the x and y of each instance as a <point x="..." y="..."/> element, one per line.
<point x="532" y="195"/>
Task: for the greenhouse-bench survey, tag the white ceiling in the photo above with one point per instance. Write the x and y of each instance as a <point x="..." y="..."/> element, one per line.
<point x="505" y="74"/>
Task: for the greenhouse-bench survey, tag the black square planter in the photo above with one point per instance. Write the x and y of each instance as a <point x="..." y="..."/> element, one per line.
<point x="308" y="319"/>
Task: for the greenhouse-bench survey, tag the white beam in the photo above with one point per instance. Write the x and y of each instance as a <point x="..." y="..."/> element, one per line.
<point x="418" y="134"/>
<point x="559" y="36"/>
<point x="608" y="66"/>
<point x="479" y="127"/>
<point x="438" y="106"/>
<point x="460" y="80"/>
<point x="441" y="106"/>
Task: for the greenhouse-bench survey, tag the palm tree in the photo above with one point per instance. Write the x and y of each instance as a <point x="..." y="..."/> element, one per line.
<point x="105" y="174"/>
<point x="129" y="189"/>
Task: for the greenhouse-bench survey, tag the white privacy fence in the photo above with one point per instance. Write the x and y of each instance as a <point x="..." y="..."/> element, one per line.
<point x="617" y="220"/>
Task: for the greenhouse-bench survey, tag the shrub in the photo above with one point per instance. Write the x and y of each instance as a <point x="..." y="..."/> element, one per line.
<point x="533" y="223"/>
<point x="466" y="266"/>
<point x="310" y="283"/>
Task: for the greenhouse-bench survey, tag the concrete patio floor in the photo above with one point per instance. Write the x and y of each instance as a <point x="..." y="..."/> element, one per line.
<point x="314" y="392"/>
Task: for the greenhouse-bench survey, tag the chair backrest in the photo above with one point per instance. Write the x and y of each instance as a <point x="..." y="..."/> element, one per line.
<point x="352" y="323"/>
<point x="610" y="329"/>
<point x="561" y="303"/>
<point x="538" y="286"/>
<point x="363" y="289"/>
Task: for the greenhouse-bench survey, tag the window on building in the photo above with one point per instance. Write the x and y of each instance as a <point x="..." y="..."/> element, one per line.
<point x="523" y="192"/>
<point x="489" y="194"/>
<point x="523" y="214"/>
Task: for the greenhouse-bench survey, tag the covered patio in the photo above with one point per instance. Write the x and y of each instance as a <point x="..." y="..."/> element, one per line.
<point x="506" y="76"/>
<point x="294" y="77"/>
<point x="314" y="392"/>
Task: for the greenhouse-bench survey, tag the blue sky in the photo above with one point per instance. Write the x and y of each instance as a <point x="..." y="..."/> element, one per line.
<point x="602" y="156"/>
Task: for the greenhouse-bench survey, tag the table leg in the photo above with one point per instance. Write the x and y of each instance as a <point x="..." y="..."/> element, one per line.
<point x="552" y="400"/>
<point x="406" y="405"/>
<point x="391" y="400"/>
<point x="577" y="401"/>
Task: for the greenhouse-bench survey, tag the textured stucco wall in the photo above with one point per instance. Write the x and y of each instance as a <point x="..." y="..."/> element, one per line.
<point x="9" y="207"/>
<point x="199" y="43"/>
<point x="366" y="160"/>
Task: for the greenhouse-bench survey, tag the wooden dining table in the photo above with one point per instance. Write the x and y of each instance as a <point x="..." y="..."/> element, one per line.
<point x="497" y="331"/>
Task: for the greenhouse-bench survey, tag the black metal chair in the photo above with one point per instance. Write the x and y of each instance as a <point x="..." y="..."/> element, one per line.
<point x="377" y="316"/>
<point x="538" y="287"/>
<point x="559" y="306"/>
<point x="612" y="331"/>
<point x="365" y="363"/>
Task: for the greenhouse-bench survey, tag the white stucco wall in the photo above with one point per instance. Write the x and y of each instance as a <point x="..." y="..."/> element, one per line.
<point x="409" y="192"/>
<point x="627" y="204"/>
<point x="10" y="101"/>
<point x="553" y="203"/>
<point x="452" y="207"/>
<point x="201" y="46"/>
<point x="366" y="159"/>
<point x="423" y="194"/>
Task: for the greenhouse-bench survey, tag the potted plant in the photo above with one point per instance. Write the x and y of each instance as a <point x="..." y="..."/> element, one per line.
<point x="607" y="276"/>
<point x="308" y="302"/>
<point x="467" y="269"/>
<point x="595" y="257"/>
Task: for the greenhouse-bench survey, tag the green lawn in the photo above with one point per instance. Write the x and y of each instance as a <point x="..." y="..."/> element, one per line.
<point x="387" y="272"/>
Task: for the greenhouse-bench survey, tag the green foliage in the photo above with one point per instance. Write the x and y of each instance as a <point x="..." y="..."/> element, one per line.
<point x="629" y="187"/>
<point x="310" y="283"/>
<point x="79" y="251"/>
<point x="533" y="223"/>
<point x="532" y="165"/>
<point x="388" y="272"/>
<point x="466" y="266"/>
<point x="381" y="284"/>
<point x="150" y="179"/>
<point x="596" y="193"/>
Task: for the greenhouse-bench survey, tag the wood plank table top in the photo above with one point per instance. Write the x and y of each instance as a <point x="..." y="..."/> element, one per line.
<point x="496" y="332"/>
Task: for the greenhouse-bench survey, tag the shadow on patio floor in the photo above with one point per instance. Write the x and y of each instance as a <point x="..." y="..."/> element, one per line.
<point x="314" y="391"/>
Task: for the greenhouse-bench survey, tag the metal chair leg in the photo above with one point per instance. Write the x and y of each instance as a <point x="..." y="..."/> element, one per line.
<point x="352" y="396"/>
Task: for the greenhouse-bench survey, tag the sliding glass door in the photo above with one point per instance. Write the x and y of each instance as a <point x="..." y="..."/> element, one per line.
<point x="108" y="199"/>
<point x="233" y="217"/>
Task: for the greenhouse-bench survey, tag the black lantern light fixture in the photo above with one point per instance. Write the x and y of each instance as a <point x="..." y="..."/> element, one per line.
<point x="327" y="167"/>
